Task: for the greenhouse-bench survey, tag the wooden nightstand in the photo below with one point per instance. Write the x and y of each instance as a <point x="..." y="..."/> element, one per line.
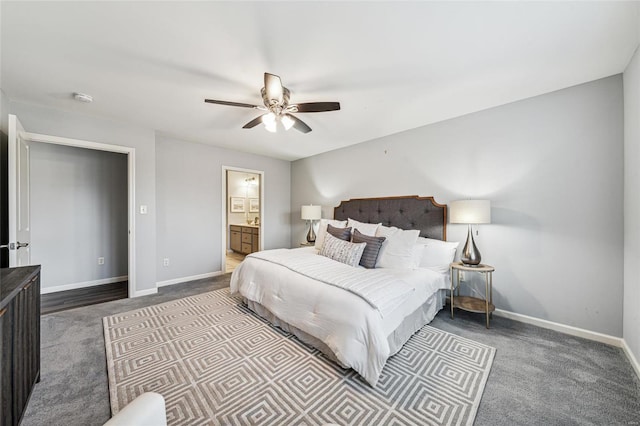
<point x="307" y="244"/>
<point x="467" y="303"/>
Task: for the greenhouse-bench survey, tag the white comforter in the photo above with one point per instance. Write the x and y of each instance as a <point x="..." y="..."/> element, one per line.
<point x="382" y="290"/>
<point x="354" y="327"/>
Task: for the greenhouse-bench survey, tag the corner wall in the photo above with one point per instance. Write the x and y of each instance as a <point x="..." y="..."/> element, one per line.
<point x="4" y="112"/>
<point x="189" y="197"/>
<point x="53" y="122"/>
<point x="631" y="321"/>
<point x="551" y="166"/>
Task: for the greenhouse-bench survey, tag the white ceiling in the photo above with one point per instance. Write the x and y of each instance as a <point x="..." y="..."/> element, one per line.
<point x="392" y="66"/>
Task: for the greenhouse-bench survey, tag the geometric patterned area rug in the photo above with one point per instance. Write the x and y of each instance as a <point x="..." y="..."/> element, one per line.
<point x="217" y="363"/>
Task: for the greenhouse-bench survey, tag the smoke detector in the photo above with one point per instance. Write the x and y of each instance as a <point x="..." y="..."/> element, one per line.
<point x="82" y="97"/>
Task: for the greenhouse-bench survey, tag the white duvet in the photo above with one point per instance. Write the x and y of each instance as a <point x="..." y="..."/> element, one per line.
<point x="354" y="327"/>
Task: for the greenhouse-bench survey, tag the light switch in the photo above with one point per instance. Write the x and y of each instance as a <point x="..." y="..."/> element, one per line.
<point x="143" y="209"/>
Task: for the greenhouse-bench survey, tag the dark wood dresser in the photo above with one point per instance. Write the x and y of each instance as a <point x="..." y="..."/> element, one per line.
<point x="19" y="340"/>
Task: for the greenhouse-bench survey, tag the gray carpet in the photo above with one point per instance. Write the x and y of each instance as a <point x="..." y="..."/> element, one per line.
<point x="217" y="363"/>
<point x="538" y="377"/>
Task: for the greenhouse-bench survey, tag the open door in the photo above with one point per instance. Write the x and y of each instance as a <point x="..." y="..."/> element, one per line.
<point x="19" y="202"/>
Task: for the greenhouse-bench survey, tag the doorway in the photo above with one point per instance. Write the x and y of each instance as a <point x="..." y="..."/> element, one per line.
<point x="243" y="207"/>
<point x="78" y="206"/>
<point x="130" y="185"/>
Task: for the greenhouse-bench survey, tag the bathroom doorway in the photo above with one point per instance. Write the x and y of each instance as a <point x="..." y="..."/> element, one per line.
<point x="243" y="225"/>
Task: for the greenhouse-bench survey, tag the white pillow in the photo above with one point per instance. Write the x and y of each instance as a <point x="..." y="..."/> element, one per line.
<point x="416" y="256"/>
<point x="397" y="251"/>
<point x="322" y="229"/>
<point x="342" y="251"/>
<point x="384" y="231"/>
<point x="364" y="228"/>
<point x="437" y="255"/>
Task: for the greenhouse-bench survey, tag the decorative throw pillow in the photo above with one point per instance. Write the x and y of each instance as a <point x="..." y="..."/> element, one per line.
<point x="437" y="255"/>
<point x="397" y="251"/>
<point x="365" y="228"/>
<point x="370" y="254"/>
<point x="322" y="229"/>
<point x="342" y="251"/>
<point x="341" y="233"/>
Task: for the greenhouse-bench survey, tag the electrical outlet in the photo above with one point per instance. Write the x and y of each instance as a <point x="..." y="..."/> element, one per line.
<point x="101" y="261"/>
<point x="165" y="262"/>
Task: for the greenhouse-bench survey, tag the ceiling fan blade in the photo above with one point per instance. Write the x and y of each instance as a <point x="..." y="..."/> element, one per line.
<point x="253" y="123"/>
<point x="273" y="87"/>
<point x="317" y="106"/>
<point x="299" y="124"/>
<point x="228" y="103"/>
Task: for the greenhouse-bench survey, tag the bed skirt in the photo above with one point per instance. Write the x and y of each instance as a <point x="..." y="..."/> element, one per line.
<point x="396" y="339"/>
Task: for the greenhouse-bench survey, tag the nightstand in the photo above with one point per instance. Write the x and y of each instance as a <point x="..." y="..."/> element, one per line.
<point x="467" y="303"/>
<point x="307" y="244"/>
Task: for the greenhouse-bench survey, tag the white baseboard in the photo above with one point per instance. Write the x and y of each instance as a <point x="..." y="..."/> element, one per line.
<point x="566" y="329"/>
<point x="73" y="286"/>
<point x="632" y="359"/>
<point x="146" y="292"/>
<point x="191" y="278"/>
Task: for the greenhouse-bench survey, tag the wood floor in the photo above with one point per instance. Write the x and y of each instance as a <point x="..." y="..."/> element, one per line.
<point x="63" y="300"/>
<point x="233" y="259"/>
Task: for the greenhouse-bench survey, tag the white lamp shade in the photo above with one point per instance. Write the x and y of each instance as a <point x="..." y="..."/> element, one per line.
<point x="311" y="212"/>
<point x="470" y="211"/>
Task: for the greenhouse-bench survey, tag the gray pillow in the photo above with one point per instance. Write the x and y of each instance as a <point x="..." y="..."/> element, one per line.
<point x="340" y="233"/>
<point x="371" y="251"/>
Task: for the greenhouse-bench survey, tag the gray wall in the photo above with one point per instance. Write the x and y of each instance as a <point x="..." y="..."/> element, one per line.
<point x="78" y="213"/>
<point x="188" y="225"/>
<point x="4" y="112"/>
<point x="189" y="197"/>
<point x="552" y="168"/>
<point x="632" y="205"/>
<point x="38" y="119"/>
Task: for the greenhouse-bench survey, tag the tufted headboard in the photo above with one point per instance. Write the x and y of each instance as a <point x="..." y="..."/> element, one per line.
<point x="407" y="212"/>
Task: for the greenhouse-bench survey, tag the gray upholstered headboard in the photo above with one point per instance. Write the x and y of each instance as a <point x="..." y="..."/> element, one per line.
<point x="408" y="212"/>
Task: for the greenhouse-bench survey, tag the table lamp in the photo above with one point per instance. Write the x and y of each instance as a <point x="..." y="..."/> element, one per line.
<point x="311" y="213"/>
<point x="470" y="212"/>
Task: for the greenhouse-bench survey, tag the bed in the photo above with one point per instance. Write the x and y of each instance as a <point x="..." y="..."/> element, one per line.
<point x="357" y="317"/>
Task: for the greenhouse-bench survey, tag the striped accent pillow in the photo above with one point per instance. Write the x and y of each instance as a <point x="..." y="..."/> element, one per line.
<point x="371" y="251"/>
<point x="341" y="233"/>
<point x="342" y="251"/>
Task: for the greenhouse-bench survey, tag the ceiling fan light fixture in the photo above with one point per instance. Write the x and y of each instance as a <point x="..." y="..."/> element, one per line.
<point x="269" y="118"/>
<point x="276" y="108"/>
<point x="270" y="123"/>
<point x="287" y="122"/>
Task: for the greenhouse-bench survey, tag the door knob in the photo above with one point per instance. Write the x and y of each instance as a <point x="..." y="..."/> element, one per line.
<point x="20" y="245"/>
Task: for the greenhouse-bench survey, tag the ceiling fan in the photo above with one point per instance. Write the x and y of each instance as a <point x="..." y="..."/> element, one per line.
<point x="276" y="104"/>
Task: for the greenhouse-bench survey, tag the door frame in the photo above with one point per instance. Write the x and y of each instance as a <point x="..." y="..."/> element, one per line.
<point x="14" y="192"/>
<point x="131" y="188"/>
<point x="223" y="218"/>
